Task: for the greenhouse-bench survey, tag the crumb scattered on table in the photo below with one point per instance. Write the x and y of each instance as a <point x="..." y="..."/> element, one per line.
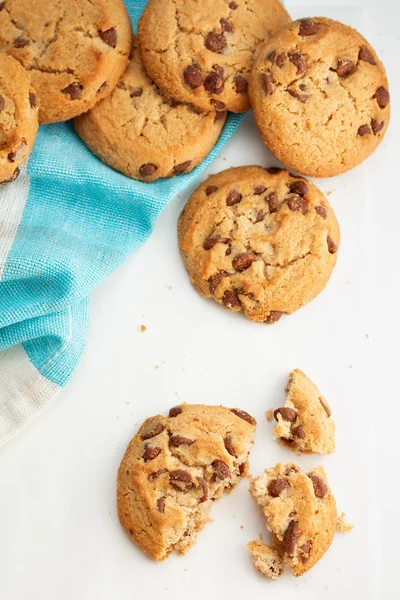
<point x="342" y="524"/>
<point x="270" y="414"/>
<point x="143" y="328"/>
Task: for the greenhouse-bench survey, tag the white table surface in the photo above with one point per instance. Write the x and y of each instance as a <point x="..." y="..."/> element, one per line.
<point x="59" y="532"/>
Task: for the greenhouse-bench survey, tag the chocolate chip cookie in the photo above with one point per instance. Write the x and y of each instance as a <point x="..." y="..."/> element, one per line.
<point x="320" y="97"/>
<point x="173" y="470"/>
<point x="145" y="134"/>
<point x="266" y="560"/>
<point x="304" y="421"/>
<point x="75" y="50"/>
<point x="19" y="108"/>
<point x="201" y="52"/>
<point x="300" y="511"/>
<point x="256" y="240"/>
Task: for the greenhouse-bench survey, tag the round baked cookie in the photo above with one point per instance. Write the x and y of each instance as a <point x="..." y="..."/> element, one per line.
<point x="261" y="241"/>
<point x="145" y="134"/>
<point x="320" y="97"/>
<point x="201" y="51"/>
<point x="173" y="470"/>
<point x="75" y="50"/>
<point x="300" y="510"/>
<point x="19" y="109"/>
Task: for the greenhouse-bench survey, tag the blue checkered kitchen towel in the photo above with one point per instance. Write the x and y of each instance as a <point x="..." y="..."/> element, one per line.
<point x="66" y="223"/>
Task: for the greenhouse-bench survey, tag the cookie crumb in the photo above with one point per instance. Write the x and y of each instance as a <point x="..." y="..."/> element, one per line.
<point x="270" y="415"/>
<point x="367" y="336"/>
<point x="266" y="560"/>
<point x="143" y="328"/>
<point x="343" y="525"/>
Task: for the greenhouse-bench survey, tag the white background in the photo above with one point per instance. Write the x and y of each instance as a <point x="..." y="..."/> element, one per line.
<point x="59" y="533"/>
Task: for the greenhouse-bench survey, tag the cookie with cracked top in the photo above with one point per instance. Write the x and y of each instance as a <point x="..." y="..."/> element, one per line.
<point x="173" y="470"/>
<point x="145" y="134"/>
<point x="19" y="108"/>
<point x="256" y="240"/>
<point x="320" y="97"/>
<point x="75" y="50"/>
<point x="300" y="510"/>
<point x="201" y="52"/>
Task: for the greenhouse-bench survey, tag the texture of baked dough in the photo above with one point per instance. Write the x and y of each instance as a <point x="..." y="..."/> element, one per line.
<point x="304" y="421"/>
<point x="174" y="468"/>
<point x="320" y="97"/>
<point x="300" y="511"/>
<point x="201" y="51"/>
<point x="19" y="109"/>
<point x="266" y="560"/>
<point x="257" y="240"/>
<point x="145" y="134"/>
<point x="75" y="50"/>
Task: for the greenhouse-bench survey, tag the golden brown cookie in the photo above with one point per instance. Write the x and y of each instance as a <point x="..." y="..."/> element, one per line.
<point x="304" y="421"/>
<point x="19" y="109"/>
<point x="320" y="97"/>
<point x="173" y="470"/>
<point x="259" y="241"/>
<point x="75" y="50"/>
<point x="266" y="560"/>
<point x="300" y="511"/>
<point x="201" y="51"/>
<point x="145" y="134"/>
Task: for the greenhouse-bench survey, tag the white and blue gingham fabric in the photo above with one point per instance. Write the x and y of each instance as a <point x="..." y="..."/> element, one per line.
<point x="66" y="223"/>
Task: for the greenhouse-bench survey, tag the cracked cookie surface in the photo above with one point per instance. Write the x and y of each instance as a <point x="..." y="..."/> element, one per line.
<point x="19" y="107"/>
<point x="300" y="510"/>
<point x="75" y="50"/>
<point x="145" y="134"/>
<point x="320" y="97"/>
<point x="173" y="470"/>
<point x="259" y="241"/>
<point x="304" y="422"/>
<point x="201" y="51"/>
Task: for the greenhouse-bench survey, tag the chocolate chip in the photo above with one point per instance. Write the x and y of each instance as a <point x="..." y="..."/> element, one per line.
<point x="2" y="5"/>
<point x="226" y="25"/>
<point x="274" y="170"/>
<point x="299" y="187"/>
<point x="276" y="486"/>
<point x="300" y="97"/>
<point x="217" y="104"/>
<point x="192" y="76"/>
<point x="321" y="211"/>
<point x="308" y="27"/>
<point x="204" y="488"/>
<point x="109" y="37"/>
<point x="303" y="87"/>
<point x="20" y="42"/>
<point x="214" y="239"/>
<point x="299" y="61"/>
<point x="327" y="408"/>
<point x="281" y="59"/>
<point x="243" y="261"/>
<point x="241" y="84"/>
<point x="147" y="170"/>
<point x="377" y="126"/>
<point x="345" y="67"/>
<point x="287" y="414"/>
<point x="214" y="83"/>
<point x="382" y="97"/>
<point x="242" y="469"/>
<point x="182" y="167"/>
<point x="242" y="414"/>
<point x="228" y="252"/>
<point x="221" y="470"/>
<point x="136" y="92"/>
<point x="103" y="87"/>
<point x="297" y="203"/>
<point x="290" y="537"/>
<point x="233" y="5"/>
<point x="218" y="69"/>
<point x="332" y="247"/>
<point x="216" y="42"/>
<point x="319" y="485"/>
<point x="259" y="189"/>
<point x="211" y="189"/>
<point x="266" y="82"/>
<point x="150" y="452"/>
<point x="259" y="216"/>
<point x="180" y="480"/>
<point x="74" y="90"/>
<point x="216" y="279"/>
<point x="299" y="432"/>
<point x="155" y="429"/>
<point x="366" y="55"/>
<point x="33" y="101"/>
<point x="271" y="57"/>
<point x="157" y="474"/>
<point x="231" y="300"/>
<point x="304" y="552"/>
<point x="161" y="505"/>
<point x="175" y="411"/>
<point x="233" y="197"/>
<point x="12" y="178"/>
<point x="228" y="442"/>
<point x="12" y="156"/>
<point x="273" y="202"/>
<point x="273" y="316"/>
<point x="180" y="440"/>
<point x="364" y="130"/>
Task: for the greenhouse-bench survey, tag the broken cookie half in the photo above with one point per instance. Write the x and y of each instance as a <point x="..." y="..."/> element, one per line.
<point x="304" y="422"/>
<point x="174" y="468"/>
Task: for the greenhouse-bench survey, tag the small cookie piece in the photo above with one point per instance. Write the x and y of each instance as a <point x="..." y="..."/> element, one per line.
<point x="144" y="134"/>
<point x="202" y="52"/>
<point x="343" y="525"/>
<point x="19" y="109"/>
<point x="259" y="241"/>
<point x="75" y="50"/>
<point x="173" y="470"/>
<point x="300" y="511"/>
<point x="320" y="97"/>
<point x="304" y="421"/>
<point x="266" y="560"/>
